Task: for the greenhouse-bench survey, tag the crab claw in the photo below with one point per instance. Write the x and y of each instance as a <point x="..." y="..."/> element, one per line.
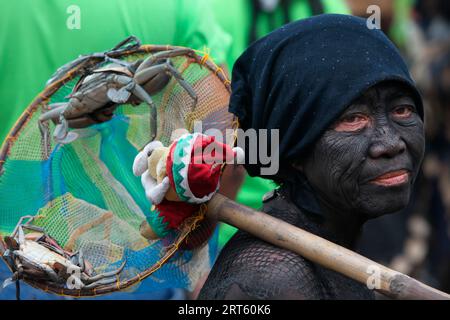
<point x="63" y="135"/>
<point x="140" y="164"/>
<point x="118" y="96"/>
<point x="7" y="282"/>
<point x="69" y="138"/>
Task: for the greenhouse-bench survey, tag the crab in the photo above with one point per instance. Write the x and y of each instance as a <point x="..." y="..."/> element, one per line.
<point x="36" y="255"/>
<point x="130" y="43"/>
<point x="102" y="90"/>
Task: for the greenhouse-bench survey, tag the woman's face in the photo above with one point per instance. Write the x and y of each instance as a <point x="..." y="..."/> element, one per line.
<point x="367" y="161"/>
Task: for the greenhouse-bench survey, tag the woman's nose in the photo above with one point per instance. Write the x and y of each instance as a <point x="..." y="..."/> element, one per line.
<point x="386" y="143"/>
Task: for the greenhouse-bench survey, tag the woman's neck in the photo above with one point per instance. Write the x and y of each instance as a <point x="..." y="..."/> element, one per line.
<point x="340" y="226"/>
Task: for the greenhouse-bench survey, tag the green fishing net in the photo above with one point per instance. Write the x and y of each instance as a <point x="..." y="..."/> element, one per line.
<point x="84" y="194"/>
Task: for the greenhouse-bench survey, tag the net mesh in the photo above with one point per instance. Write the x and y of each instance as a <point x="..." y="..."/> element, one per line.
<point x="85" y="195"/>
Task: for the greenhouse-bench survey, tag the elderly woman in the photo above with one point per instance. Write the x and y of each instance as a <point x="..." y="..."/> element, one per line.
<point x="351" y="144"/>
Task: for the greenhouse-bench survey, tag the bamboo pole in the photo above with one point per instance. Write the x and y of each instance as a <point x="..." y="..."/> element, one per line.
<point x="318" y="250"/>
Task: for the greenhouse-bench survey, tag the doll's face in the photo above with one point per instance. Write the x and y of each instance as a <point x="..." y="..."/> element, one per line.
<point x="367" y="161"/>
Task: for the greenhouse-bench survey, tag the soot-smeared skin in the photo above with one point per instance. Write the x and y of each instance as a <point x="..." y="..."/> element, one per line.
<point x="249" y="268"/>
<point x="340" y="170"/>
<point x="342" y="163"/>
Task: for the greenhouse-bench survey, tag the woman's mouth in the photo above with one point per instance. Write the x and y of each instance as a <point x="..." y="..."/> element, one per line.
<point x="393" y="178"/>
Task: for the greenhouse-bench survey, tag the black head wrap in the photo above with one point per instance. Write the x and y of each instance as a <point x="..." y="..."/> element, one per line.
<point x="301" y="77"/>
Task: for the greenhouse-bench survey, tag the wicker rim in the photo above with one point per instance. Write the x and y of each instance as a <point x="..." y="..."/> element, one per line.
<point x="188" y="225"/>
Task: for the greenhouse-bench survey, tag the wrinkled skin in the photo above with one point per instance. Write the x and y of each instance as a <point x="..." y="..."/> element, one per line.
<point x="380" y="132"/>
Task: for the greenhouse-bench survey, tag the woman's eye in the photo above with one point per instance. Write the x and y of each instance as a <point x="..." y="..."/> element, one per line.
<point x="403" y="112"/>
<point x="352" y="122"/>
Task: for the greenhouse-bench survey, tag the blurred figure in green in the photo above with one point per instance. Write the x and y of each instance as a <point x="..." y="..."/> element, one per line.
<point x="38" y="36"/>
<point x="247" y="21"/>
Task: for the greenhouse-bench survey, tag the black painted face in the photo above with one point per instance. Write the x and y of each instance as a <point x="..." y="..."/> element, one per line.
<point x="367" y="161"/>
